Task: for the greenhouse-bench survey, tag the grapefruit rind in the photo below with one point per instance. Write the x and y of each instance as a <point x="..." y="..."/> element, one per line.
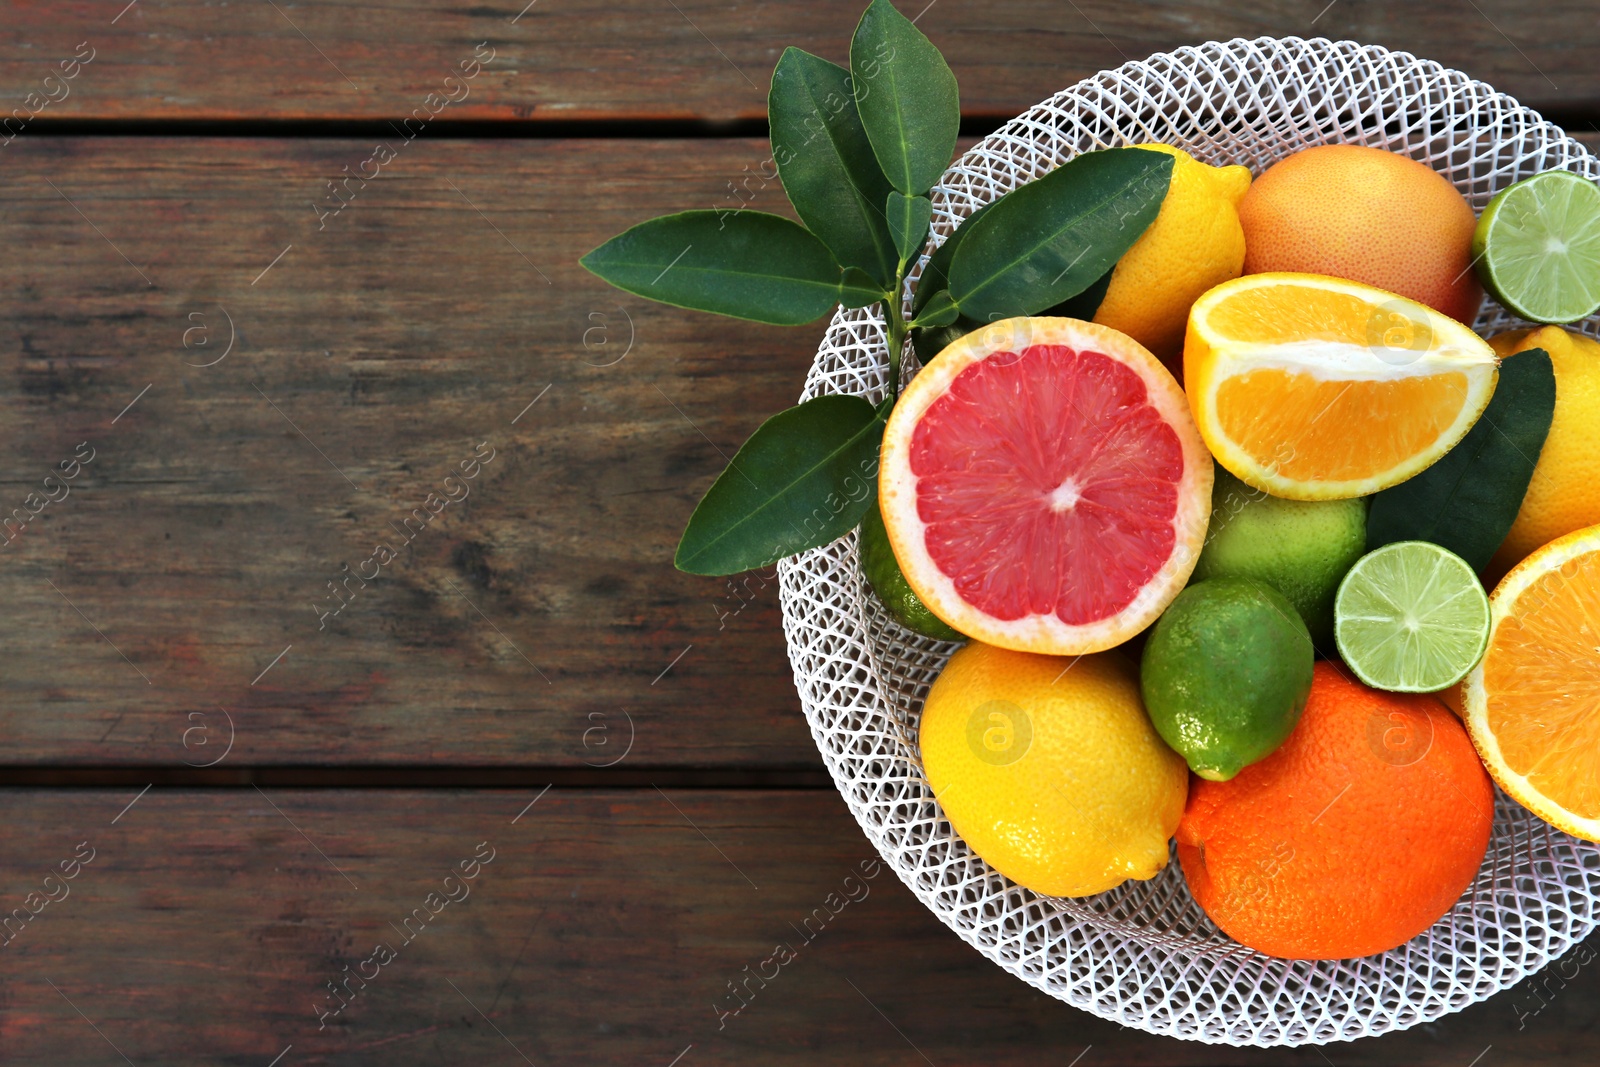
<point x="1546" y="562"/>
<point x="1041" y="633"/>
<point x="1210" y="358"/>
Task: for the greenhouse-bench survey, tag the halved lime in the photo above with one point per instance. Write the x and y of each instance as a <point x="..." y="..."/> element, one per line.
<point x="1537" y="247"/>
<point x="1411" y="618"/>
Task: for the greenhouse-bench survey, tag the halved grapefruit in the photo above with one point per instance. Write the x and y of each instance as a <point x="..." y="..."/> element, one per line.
<point x="1044" y="487"/>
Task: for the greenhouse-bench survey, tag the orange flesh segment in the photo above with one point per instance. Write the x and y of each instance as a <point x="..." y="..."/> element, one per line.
<point x="1542" y="679"/>
<point x="1306" y="427"/>
<point x="1271" y="314"/>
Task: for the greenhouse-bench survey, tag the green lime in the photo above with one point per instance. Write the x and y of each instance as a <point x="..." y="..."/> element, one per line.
<point x="1537" y="247"/>
<point x="1411" y="617"/>
<point x="889" y="582"/>
<point x="1299" y="547"/>
<point x="1225" y="674"/>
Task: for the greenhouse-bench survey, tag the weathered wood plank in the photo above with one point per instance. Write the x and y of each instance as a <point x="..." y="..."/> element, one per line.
<point x="605" y="929"/>
<point x="698" y="59"/>
<point x="439" y="319"/>
<point x="386" y="344"/>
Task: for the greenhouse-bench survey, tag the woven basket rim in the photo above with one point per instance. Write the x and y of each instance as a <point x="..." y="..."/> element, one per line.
<point x="839" y="656"/>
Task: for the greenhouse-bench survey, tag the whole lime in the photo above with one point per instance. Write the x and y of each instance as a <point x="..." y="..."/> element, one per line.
<point x="1225" y="674"/>
<point x="1302" y="548"/>
<point x="889" y="582"/>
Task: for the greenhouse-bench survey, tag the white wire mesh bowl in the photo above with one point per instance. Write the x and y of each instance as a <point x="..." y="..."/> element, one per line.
<point x="1145" y="955"/>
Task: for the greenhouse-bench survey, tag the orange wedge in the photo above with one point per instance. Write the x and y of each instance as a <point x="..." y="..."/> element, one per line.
<point x="1533" y="705"/>
<point x="1317" y="388"/>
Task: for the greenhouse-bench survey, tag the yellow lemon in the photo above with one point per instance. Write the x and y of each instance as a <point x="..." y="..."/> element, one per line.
<point x="1050" y="769"/>
<point x="1564" y="494"/>
<point x="1195" y="243"/>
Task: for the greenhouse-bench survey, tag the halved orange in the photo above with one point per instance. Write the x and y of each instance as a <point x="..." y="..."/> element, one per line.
<point x="1317" y="388"/>
<point x="1043" y="486"/>
<point x="1533" y="705"/>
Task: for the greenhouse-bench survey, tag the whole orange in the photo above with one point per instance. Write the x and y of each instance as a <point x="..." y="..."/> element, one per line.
<point x="1369" y="216"/>
<point x="1352" y="838"/>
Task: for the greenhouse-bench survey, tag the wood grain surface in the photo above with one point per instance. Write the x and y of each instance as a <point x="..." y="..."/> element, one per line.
<point x="375" y="351"/>
<point x="606" y="929"/>
<point x="235" y="368"/>
<point x="695" y="59"/>
<point x="536" y="622"/>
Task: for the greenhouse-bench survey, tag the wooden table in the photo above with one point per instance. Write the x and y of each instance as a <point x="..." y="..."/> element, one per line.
<point x="259" y="377"/>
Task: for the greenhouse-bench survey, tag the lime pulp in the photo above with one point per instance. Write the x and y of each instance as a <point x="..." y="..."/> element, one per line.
<point x="1411" y="617"/>
<point x="1537" y="247"/>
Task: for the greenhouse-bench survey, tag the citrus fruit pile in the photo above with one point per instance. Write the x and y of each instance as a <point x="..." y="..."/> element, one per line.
<point x="1218" y="546"/>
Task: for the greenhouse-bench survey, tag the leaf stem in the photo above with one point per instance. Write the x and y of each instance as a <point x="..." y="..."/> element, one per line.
<point x="897" y="332"/>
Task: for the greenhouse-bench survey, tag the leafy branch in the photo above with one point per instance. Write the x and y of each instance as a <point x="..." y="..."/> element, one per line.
<point x="858" y="151"/>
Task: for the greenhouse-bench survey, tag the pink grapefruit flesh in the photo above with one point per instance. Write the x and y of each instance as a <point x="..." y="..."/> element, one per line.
<point x="1044" y="487"/>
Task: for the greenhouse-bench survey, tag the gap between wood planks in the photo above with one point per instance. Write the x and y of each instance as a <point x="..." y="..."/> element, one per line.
<point x="1581" y="121"/>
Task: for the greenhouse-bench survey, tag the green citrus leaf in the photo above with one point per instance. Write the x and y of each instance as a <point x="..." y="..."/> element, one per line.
<point x="857" y="289"/>
<point x="908" y="223"/>
<point x="748" y="265"/>
<point x="1085" y="304"/>
<point x="1052" y="238"/>
<point x="906" y="97"/>
<point x="934" y="328"/>
<point x="936" y="275"/>
<point x="803" y="479"/>
<point x="939" y="311"/>
<point x="826" y="162"/>
<point x="1467" y="501"/>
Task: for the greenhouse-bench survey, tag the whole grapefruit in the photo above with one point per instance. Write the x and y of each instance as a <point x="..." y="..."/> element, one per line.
<point x="1351" y="839"/>
<point x="1368" y="216"/>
